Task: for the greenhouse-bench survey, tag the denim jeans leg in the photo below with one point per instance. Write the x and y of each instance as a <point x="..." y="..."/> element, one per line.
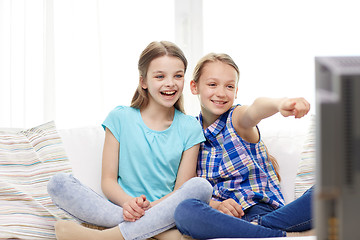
<point x="81" y="202"/>
<point x="255" y="212"/>
<point x="200" y="221"/>
<point x="293" y="217"/>
<point x="161" y="217"/>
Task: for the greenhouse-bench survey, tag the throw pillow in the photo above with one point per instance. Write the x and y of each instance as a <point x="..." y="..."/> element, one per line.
<point x="305" y="177"/>
<point x="28" y="159"/>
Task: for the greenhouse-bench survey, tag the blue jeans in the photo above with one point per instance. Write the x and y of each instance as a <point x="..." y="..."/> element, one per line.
<point x="88" y="206"/>
<point x="200" y="221"/>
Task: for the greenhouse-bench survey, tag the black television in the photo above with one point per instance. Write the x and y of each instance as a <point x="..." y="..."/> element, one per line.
<point x="337" y="191"/>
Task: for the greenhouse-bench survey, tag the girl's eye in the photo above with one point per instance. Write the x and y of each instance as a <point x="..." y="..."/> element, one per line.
<point x="212" y="84"/>
<point x="231" y="87"/>
<point x="159" y="76"/>
<point x="178" y="76"/>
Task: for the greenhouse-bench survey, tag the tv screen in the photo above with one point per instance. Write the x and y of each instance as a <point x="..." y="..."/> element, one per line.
<point x="337" y="192"/>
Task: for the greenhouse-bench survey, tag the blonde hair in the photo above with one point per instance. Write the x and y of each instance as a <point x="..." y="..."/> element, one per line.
<point x="152" y="51"/>
<point x="226" y="59"/>
<point x="214" y="57"/>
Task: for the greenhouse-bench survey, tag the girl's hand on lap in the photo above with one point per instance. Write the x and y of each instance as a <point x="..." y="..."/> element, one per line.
<point x="231" y="207"/>
<point x="143" y="202"/>
<point x="132" y="211"/>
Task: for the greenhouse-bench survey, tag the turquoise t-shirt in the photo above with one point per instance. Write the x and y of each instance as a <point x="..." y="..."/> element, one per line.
<point x="148" y="159"/>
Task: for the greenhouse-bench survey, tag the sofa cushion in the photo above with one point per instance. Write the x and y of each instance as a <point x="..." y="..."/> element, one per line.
<point x="305" y="177"/>
<point x="284" y="138"/>
<point x="84" y="147"/>
<point x="28" y="159"/>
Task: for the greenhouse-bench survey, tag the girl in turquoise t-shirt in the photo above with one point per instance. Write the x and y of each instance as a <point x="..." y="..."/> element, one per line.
<point x="149" y="159"/>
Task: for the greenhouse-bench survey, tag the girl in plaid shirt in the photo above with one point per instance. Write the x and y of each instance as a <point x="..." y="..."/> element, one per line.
<point x="247" y="201"/>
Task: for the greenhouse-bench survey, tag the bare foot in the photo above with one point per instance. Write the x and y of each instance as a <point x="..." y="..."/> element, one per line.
<point x="301" y="234"/>
<point x="185" y="237"/>
<point x="171" y="234"/>
<point x="67" y="230"/>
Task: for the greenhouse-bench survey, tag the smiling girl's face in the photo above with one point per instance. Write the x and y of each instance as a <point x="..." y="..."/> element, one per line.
<point x="217" y="88"/>
<point x="164" y="81"/>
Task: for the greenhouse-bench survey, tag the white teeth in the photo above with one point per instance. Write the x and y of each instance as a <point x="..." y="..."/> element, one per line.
<point x="168" y="92"/>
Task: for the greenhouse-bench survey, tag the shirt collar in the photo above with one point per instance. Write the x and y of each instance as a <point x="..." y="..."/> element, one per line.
<point x="216" y="126"/>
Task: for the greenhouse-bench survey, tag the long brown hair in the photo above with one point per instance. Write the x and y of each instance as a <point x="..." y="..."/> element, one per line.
<point x="152" y="51"/>
<point x="224" y="58"/>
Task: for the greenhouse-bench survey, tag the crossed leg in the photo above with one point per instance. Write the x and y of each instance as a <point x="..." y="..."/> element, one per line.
<point x="67" y="230"/>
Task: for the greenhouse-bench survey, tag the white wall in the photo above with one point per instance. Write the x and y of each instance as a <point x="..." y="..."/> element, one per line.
<point x="274" y="42"/>
<point x="72" y="61"/>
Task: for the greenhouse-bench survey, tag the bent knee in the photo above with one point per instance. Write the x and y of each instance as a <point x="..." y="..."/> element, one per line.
<point x="185" y="209"/>
<point x="57" y="183"/>
<point x="203" y="188"/>
<point x="185" y="214"/>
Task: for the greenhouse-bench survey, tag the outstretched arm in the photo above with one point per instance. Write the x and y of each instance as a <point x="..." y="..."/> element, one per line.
<point x="245" y="118"/>
<point x="250" y="116"/>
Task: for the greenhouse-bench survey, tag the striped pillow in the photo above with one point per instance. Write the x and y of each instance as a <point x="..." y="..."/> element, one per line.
<point x="305" y="177"/>
<point x="27" y="161"/>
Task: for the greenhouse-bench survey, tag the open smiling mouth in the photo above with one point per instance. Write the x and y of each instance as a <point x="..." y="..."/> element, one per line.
<point x="219" y="102"/>
<point x="168" y="93"/>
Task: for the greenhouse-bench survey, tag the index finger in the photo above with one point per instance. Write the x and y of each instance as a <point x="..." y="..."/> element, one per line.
<point x="139" y="201"/>
<point x="135" y="207"/>
<point x="238" y="208"/>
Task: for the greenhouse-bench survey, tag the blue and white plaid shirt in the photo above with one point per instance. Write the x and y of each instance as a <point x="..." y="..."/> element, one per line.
<point x="237" y="169"/>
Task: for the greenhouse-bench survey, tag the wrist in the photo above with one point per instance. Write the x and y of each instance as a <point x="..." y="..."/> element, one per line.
<point x="214" y="204"/>
<point x="279" y="103"/>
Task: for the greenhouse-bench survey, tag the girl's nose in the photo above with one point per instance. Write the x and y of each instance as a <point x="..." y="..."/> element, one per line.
<point x="170" y="81"/>
<point x="220" y="92"/>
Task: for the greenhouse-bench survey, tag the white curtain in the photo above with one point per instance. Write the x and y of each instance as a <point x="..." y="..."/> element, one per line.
<point x="72" y="61"/>
<point x="275" y="42"/>
<point x="21" y="62"/>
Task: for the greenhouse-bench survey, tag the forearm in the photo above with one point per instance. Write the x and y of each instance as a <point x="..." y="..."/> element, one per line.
<point x="260" y="109"/>
<point x="179" y="182"/>
<point x="161" y="199"/>
<point x="177" y="186"/>
<point x="114" y="192"/>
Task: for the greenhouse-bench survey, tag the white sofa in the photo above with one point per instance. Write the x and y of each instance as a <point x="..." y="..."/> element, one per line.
<point x="284" y="138"/>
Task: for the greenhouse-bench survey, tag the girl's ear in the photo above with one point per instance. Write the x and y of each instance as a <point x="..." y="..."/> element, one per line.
<point x="236" y="91"/>
<point x="143" y="83"/>
<point x="194" y="87"/>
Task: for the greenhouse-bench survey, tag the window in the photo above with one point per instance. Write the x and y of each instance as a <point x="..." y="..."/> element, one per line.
<point x="73" y="61"/>
<point x="274" y="42"/>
